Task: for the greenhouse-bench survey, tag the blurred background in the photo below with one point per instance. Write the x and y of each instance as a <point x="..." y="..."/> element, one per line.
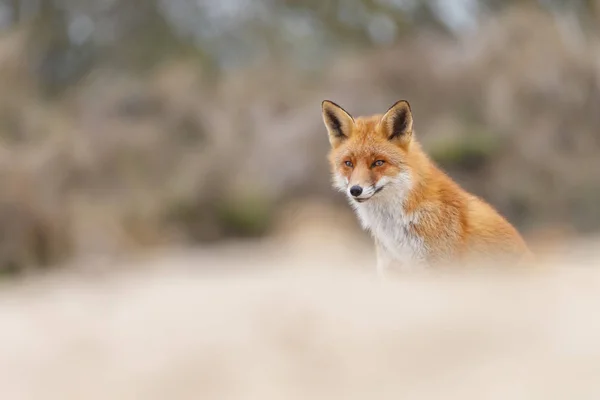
<point x="150" y="143"/>
<point x="131" y="126"/>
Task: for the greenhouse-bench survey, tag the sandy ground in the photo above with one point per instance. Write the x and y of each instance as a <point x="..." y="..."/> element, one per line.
<point x="274" y="321"/>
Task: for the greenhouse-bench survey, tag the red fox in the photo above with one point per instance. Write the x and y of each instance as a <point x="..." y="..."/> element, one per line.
<point x="417" y="215"/>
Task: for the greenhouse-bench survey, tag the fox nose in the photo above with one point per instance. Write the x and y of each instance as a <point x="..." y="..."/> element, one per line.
<point x="355" y="190"/>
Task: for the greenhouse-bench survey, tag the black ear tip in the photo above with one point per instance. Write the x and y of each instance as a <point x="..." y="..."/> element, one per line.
<point x="402" y="102"/>
<point x="329" y="103"/>
<point x="399" y="105"/>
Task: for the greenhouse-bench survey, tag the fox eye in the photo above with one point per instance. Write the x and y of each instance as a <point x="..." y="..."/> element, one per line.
<point x="348" y="164"/>
<point x="378" y="163"/>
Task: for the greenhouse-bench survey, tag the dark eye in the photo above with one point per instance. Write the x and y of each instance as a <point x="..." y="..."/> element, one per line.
<point x="378" y="163"/>
<point x="348" y="164"/>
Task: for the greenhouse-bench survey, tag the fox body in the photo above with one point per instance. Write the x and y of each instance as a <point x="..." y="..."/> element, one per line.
<point x="417" y="215"/>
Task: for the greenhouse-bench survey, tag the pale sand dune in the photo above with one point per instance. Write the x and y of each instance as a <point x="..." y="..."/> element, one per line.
<point x="300" y="333"/>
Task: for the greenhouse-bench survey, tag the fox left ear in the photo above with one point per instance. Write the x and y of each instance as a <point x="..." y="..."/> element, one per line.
<point x="397" y="123"/>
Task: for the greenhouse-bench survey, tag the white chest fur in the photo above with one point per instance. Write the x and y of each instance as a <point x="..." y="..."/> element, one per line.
<point x="393" y="230"/>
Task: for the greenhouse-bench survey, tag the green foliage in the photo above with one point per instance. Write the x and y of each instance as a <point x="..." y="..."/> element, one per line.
<point x="249" y="215"/>
<point x="212" y="219"/>
<point x="467" y="152"/>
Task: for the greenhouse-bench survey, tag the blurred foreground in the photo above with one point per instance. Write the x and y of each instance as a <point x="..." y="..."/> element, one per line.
<point x="298" y="322"/>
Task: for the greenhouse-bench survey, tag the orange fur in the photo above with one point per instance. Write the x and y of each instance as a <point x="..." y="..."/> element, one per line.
<point x="432" y="218"/>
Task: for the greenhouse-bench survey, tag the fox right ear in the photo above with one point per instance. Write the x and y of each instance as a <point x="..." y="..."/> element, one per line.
<point x="337" y="121"/>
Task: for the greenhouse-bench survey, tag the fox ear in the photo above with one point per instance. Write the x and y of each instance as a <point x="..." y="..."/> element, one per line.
<point x="397" y="123"/>
<point x="337" y="121"/>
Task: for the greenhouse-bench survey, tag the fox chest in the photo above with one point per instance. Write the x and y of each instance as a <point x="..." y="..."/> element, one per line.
<point x="394" y="234"/>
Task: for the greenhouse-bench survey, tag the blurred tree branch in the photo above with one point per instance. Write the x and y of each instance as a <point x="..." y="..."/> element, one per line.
<point x="141" y="33"/>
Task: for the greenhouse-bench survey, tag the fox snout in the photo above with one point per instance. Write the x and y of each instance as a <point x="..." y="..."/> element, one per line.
<point x="360" y="193"/>
<point x="356" y="191"/>
<point x="360" y="183"/>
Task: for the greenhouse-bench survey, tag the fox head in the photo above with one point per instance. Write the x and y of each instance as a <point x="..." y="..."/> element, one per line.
<point x="370" y="155"/>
